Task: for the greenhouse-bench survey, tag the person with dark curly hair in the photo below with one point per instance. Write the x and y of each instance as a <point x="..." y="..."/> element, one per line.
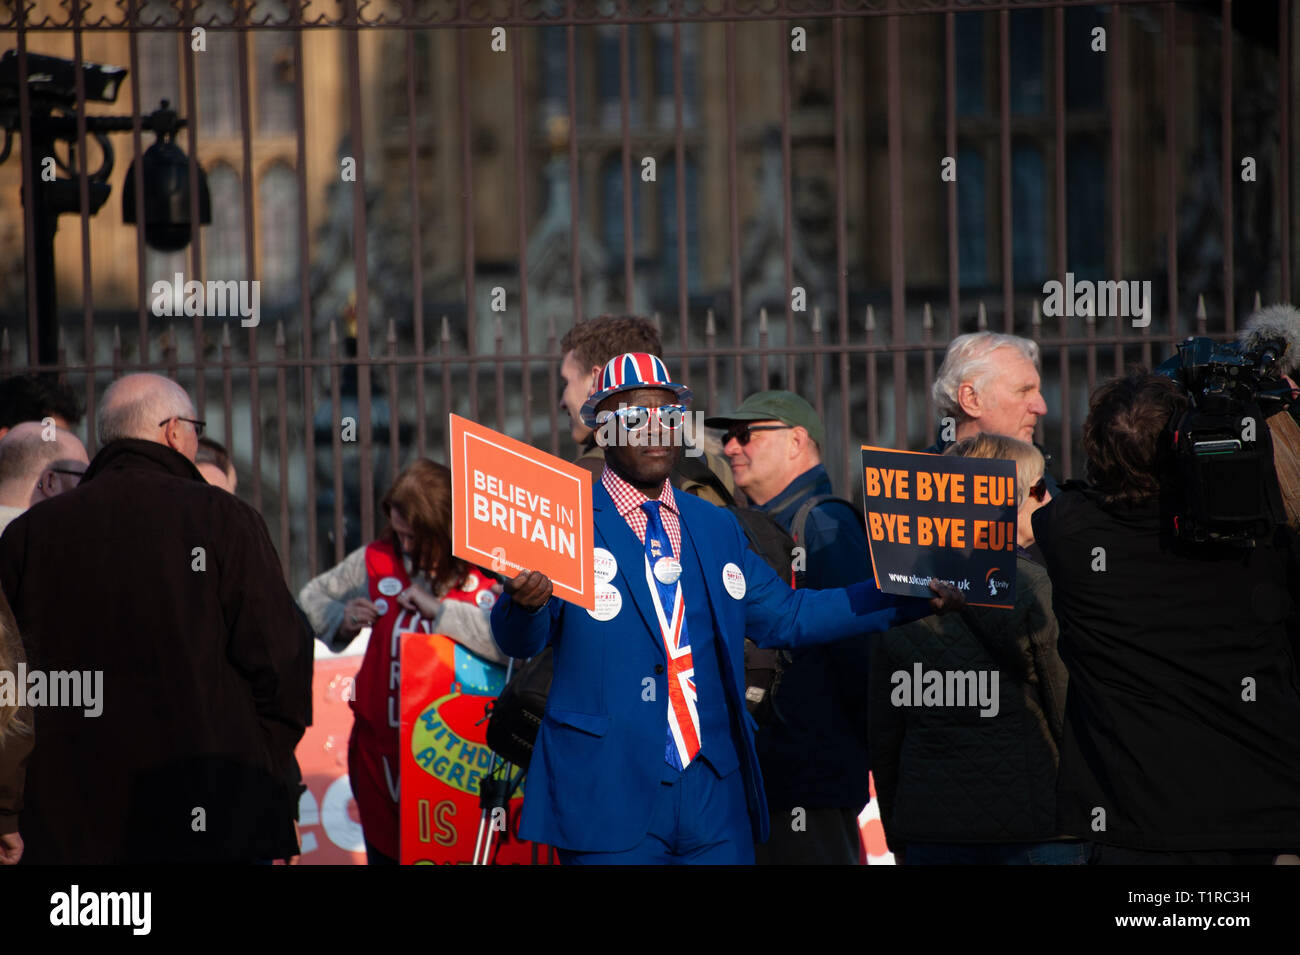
<point x="1182" y="722"/>
<point x="35" y="398"/>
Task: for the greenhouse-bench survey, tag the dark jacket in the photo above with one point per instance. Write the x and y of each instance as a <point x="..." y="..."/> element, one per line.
<point x="206" y="667"/>
<point x="816" y="754"/>
<point x="15" y="745"/>
<point x="947" y="773"/>
<point x="1183" y="719"/>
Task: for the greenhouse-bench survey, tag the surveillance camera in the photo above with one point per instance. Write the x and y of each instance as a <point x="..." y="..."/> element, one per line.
<point x="54" y="79"/>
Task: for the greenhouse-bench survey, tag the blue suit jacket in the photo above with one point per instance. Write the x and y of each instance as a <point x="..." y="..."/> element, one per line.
<point x="599" y="755"/>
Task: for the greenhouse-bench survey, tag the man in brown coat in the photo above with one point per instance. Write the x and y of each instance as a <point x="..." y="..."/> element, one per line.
<point x="171" y="589"/>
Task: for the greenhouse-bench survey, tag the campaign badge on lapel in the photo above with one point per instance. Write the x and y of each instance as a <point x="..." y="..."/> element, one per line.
<point x="733" y="579"/>
<point x="608" y="602"/>
<point x="390" y="587"/>
<point x="381" y="605"/>
<point x="605" y="565"/>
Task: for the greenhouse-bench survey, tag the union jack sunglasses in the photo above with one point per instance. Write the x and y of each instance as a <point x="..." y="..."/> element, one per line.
<point x="637" y="417"/>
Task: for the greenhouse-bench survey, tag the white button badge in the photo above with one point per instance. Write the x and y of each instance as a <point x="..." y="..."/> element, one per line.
<point x="608" y="602"/>
<point x="390" y="586"/>
<point x="733" y="578"/>
<point x="605" y="565"/>
<point x="668" y="570"/>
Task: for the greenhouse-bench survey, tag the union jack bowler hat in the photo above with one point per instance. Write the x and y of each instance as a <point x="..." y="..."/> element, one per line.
<point x="627" y="372"/>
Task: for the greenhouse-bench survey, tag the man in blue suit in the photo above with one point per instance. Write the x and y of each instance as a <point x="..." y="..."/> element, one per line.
<point x="646" y="752"/>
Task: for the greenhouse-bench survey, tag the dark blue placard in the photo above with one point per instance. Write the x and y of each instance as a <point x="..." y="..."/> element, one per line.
<point x="915" y="515"/>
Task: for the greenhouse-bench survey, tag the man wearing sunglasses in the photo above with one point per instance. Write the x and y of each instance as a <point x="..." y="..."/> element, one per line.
<point x="172" y="590"/>
<point x="37" y="462"/>
<point x="645" y="754"/>
<point x="587" y="347"/>
<point x="814" y="751"/>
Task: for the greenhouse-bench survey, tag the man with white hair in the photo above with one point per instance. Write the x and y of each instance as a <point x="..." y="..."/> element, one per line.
<point x="173" y="593"/>
<point x="989" y="383"/>
<point x="37" y="461"/>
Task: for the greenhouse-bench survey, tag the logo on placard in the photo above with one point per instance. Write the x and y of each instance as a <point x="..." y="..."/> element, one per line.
<point x="996" y="585"/>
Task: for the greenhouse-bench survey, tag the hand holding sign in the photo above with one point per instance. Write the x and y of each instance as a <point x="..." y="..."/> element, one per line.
<point x="950" y="599"/>
<point x="531" y="589"/>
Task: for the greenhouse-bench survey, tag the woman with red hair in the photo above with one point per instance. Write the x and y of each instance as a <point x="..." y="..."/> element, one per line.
<point x="405" y="580"/>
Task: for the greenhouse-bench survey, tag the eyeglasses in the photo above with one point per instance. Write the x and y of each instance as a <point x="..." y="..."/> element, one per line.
<point x="1039" y="491"/>
<point x="198" y="425"/>
<point x="77" y="474"/>
<point x="636" y="417"/>
<point x="743" y="432"/>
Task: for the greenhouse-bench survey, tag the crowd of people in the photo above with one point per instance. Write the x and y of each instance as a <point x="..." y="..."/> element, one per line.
<point x="1147" y="702"/>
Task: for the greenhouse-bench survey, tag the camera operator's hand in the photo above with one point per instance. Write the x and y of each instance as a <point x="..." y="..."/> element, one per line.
<point x="531" y="589"/>
<point x="949" y="599"/>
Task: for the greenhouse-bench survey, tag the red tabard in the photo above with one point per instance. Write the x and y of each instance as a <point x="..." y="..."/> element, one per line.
<point x="372" y="748"/>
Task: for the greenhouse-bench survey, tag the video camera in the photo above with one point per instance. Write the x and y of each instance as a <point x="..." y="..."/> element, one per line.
<point x="1225" y="488"/>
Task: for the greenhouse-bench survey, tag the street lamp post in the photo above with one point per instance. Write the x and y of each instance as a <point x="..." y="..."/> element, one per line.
<point x="51" y="86"/>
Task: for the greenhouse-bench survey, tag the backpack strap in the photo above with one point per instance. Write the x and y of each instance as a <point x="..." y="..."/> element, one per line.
<point x="798" y="525"/>
<point x="696" y="471"/>
<point x="754" y="543"/>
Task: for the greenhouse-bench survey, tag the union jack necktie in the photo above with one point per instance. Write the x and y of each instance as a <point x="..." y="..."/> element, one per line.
<point x="683" y="716"/>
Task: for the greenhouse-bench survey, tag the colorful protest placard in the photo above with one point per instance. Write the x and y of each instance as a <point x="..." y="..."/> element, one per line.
<point x="444" y="755"/>
<point x="519" y="508"/>
<point x="947" y="518"/>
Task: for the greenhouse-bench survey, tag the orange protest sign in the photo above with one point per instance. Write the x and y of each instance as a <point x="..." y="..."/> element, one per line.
<point x="517" y="507"/>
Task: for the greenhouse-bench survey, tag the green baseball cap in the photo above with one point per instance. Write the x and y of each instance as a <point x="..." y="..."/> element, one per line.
<point x="783" y="406"/>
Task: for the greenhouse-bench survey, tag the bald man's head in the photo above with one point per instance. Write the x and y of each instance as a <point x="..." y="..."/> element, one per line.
<point x="39" y="461"/>
<point x="134" y="406"/>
